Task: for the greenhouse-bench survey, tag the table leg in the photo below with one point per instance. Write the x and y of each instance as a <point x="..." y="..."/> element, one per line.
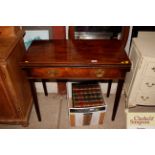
<point x="117" y="98"/>
<point x="45" y="87"/>
<point x="35" y="99"/>
<point x="109" y="87"/>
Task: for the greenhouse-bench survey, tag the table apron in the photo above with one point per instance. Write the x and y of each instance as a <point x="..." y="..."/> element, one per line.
<point x="76" y="73"/>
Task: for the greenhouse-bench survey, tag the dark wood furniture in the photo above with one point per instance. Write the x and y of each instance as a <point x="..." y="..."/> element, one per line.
<point x="59" y="32"/>
<point x="15" y="94"/>
<point x="55" y="32"/>
<point x="76" y="60"/>
<point x="95" y="31"/>
<point x="34" y="28"/>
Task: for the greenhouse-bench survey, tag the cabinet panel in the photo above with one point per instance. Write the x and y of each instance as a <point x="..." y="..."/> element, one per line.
<point x="6" y="110"/>
<point x="15" y="94"/>
<point x="9" y="31"/>
<point x="20" y="86"/>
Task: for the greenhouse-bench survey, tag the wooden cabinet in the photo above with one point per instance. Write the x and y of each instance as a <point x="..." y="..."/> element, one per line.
<point x="15" y="94"/>
<point x="9" y="31"/>
<point x="140" y="81"/>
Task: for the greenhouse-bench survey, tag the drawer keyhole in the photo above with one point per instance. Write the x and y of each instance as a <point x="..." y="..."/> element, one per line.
<point x="99" y="73"/>
<point x="52" y="72"/>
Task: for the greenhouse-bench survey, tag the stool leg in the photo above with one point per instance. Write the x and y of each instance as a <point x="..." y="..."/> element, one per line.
<point x="45" y="87"/>
<point x="109" y="87"/>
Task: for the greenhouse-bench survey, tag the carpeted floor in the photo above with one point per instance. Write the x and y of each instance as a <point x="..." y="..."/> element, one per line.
<point x="54" y="113"/>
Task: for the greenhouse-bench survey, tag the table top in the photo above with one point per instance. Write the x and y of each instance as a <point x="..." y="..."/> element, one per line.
<point x="76" y="53"/>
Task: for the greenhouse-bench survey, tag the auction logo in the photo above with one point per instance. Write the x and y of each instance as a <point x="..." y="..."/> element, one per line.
<point x="140" y="120"/>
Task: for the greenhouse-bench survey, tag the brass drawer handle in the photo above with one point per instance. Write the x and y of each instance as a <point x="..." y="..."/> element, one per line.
<point x="144" y="98"/>
<point x="52" y="72"/>
<point x="125" y="62"/>
<point x="99" y="73"/>
<point x="150" y="84"/>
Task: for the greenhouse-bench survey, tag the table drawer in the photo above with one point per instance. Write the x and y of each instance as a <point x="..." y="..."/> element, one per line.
<point x="75" y="73"/>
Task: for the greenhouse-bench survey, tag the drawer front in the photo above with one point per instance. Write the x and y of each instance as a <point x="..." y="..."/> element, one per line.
<point x="145" y="98"/>
<point x="75" y="73"/>
<point x="150" y="70"/>
<point x="148" y="84"/>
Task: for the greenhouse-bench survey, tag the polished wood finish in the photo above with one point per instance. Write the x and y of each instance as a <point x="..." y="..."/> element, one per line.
<point x="74" y="53"/>
<point x="42" y="28"/>
<point x="109" y="87"/>
<point x="45" y="87"/>
<point x="9" y="31"/>
<point x="15" y="94"/>
<point x="123" y="40"/>
<point x="77" y="60"/>
<point x="124" y="35"/>
<point x="75" y="73"/>
<point x="71" y="32"/>
<point x="59" y="32"/>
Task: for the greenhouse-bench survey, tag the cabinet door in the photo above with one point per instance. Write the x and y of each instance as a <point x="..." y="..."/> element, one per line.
<point x="19" y="86"/>
<point x="9" y="31"/>
<point x="7" y="112"/>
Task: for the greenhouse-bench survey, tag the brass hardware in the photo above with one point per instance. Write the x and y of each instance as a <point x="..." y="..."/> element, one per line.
<point x="99" y="73"/>
<point x="150" y="85"/>
<point x="153" y="69"/>
<point x="26" y="61"/>
<point x="53" y="72"/>
<point x="144" y="98"/>
<point x="125" y="62"/>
